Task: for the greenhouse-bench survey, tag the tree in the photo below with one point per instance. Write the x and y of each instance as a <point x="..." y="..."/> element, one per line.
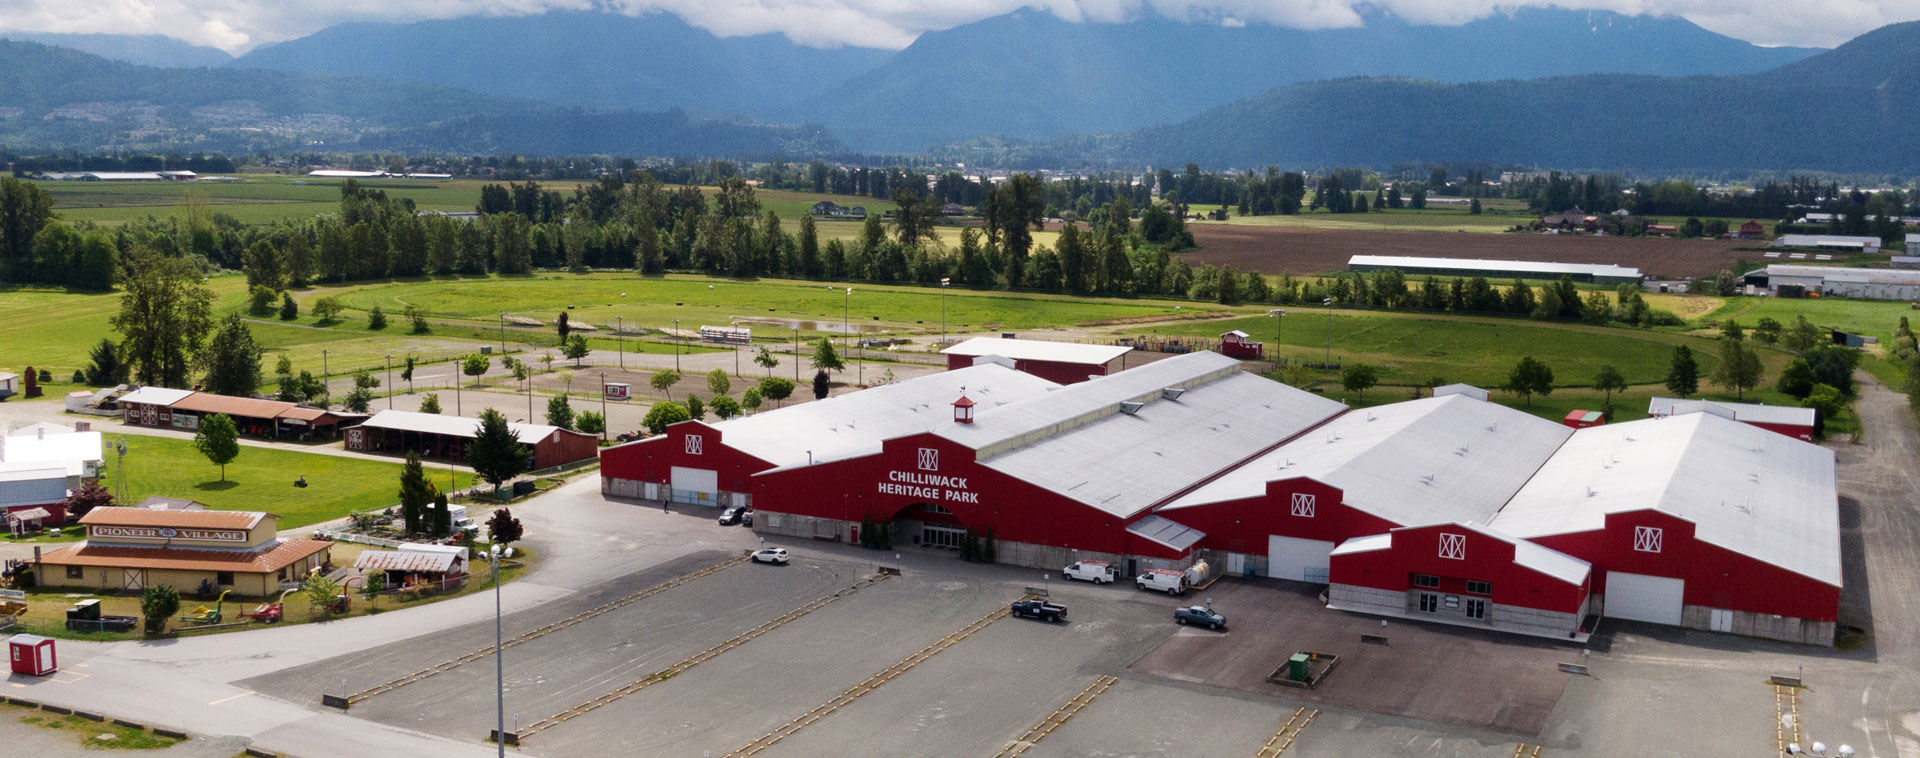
<point x="663" y="381"/>
<point x="725" y="407"/>
<point x="289" y="310"/>
<point x="218" y="440"/>
<point x="164" y="318"/>
<point x="560" y="412"/>
<point x="233" y="359"/>
<point x="1826" y="402"/>
<point x="1739" y="368"/>
<point x="1833" y="365"/>
<point x="663" y="415"/>
<point x="442" y="517"/>
<point x="1683" y="374"/>
<point x="826" y="358"/>
<point x="357" y="399"/>
<point x="776" y="388"/>
<point x="1609" y="381"/>
<point x="259" y="301"/>
<point x="1767" y="330"/>
<point x="563" y="327"/>
<point x="1358" y="378"/>
<point x="766" y="360"/>
<point x="90" y="496"/>
<point x="406" y="372"/>
<point x="474" y="365"/>
<point x="503" y="528"/>
<point x="157" y="605"/>
<point x="327" y="309"/>
<point x="1803" y="336"/>
<point x="416" y="492"/>
<point x="495" y="454"/>
<point x="376" y="319"/>
<point x="695" y="409"/>
<point x="1731" y="331"/>
<point x="320" y="592"/>
<point x="718" y="383"/>
<point x="750" y="399"/>
<point x="591" y="422"/>
<point x="1796" y="379"/>
<point x="576" y="348"/>
<point x="822" y="384"/>
<point x="430" y="403"/>
<point x="105" y="369"/>
<point x="1530" y="377"/>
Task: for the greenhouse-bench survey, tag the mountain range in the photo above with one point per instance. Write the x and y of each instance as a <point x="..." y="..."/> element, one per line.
<point x="144" y="49"/>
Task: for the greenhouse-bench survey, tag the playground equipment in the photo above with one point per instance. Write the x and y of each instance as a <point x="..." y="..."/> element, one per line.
<point x="203" y="616"/>
<point x="269" y="613"/>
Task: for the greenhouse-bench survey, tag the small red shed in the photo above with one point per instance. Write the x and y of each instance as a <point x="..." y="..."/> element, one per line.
<point x="32" y="654"/>
<point x="1579" y="419"/>
<point x="1238" y="344"/>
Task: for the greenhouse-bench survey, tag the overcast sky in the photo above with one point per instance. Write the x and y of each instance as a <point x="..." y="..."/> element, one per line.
<point x="238" y="25"/>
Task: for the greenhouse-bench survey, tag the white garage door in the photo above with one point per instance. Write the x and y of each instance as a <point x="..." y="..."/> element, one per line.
<point x="696" y="485"/>
<point x="1298" y="559"/>
<point x="1639" y="597"/>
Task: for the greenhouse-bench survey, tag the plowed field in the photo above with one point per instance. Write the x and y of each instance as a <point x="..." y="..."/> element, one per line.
<point x="1283" y="250"/>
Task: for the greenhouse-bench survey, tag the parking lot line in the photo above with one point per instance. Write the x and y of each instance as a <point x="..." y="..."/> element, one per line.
<point x="697" y="659"/>
<point x="445" y="666"/>
<point x="1289" y="731"/>
<point x="1786" y="718"/>
<point x="1059" y="717"/>
<point x="1525" y="750"/>
<point x="872" y="683"/>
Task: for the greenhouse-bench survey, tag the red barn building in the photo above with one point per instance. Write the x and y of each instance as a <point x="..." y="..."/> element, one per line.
<point x="1780" y="419"/>
<point x="1059" y="362"/>
<point x="1239" y="344"/>
<point x="437" y="436"/>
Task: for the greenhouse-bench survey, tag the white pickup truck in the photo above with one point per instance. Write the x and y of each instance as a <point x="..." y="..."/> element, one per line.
<point x="1098" y="572"/>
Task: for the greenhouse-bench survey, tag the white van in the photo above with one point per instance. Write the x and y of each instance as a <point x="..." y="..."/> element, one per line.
<point x="1170" y="581"/>
<point x="1098" y="572"/>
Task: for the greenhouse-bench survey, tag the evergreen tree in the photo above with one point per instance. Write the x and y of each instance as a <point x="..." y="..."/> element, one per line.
<point x="495" y="454"/>
<point x="415" y="493"/>
<point x="560" y="412"/>
<point x="430" y="403"/>
<point x="233" y="359"/>
<point x="105" y="369"/>
<point x="1683" y="374"/>
<point x="289" y="310"/>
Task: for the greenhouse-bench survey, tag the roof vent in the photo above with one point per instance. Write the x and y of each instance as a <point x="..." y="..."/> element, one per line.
<point x="1131" y="407"/>
<point x="1369" y="415"/>
<point x="1172" y="393"/>
<point x="1428" y="479"/>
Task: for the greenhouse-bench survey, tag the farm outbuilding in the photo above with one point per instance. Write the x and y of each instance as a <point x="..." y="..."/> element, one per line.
<point x="130" y="549"/>
<point x="1448" y="509"/>
<point x="1062" y="362"/>
<point x="1781" y="419"/>
<point x="437" y="436"/>
<point x="1790" y="280"/>
<point x="1597" y="273"/>
<point x="183" y="409"/>
<point x="1843" y="243"/>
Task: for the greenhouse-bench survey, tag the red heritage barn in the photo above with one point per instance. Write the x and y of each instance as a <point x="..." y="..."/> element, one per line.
<point x="1061" y="362"/>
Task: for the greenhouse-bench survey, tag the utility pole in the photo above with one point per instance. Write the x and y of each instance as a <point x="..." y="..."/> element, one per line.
<point x="1276" y="314"/>
<point x="499" y="663"/>
<point x="389" y="382"/>
<point x="603" y="406"/>
<point x="796" y="356"/>
<point x="503" y="333"/>
<point x="1329" y="359"/>
<point x="619" y="325"/>
<point x="943" y="310"/>
<point x="676" y="345"/>
<point x="326" y="380"/>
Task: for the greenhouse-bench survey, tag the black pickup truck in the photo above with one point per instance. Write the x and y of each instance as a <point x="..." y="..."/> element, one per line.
<point x="1036" y="608"/>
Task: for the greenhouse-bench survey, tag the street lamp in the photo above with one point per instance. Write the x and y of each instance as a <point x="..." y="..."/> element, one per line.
<point x="796" y="355"/>
<point x="503" y="332"/>
<point x="326" y="380"/>
<point x="603" y="406"/>
<point x="1329" y="359"/>
<point x="389" y="382"/>
<point x="499" y="663"/>
<point x="1276" y="314"/>
<point x="120" y="449"/>
<point x="620" y="346"/>
<point x="676" y="346"/>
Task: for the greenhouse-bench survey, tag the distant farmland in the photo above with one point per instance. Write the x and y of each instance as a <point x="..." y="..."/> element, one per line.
<point x="1299" y="251"/>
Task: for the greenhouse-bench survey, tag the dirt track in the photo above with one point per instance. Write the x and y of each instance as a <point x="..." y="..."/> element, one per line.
<point x="1288" y="250"/>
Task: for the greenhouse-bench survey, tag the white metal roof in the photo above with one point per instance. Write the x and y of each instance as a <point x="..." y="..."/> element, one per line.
<point x="59" y="449"/>
<point x="1122" y="463"/>
<point x="1518" y="268"/>
<point x="1838" y="273"/>
<point x="453" y="426"/>
<point x="32" y="486"/>
<point x="1367" y="544"/>
<point x="1746" y="489"/>
<point x="1462" y="389"/>
<point x="1825" y="240"/>
<point x="405" y="560"/>
<point x="1165" y="532"/>
<point x="1754" y="413"/>
<point x="1548" y="561"/>
<point x="854" y="424"/>
<point x="1039" y="350"/>
<point x="1426" y="461"/>
<point x="155" y="396"/>
<point x="997" y="429"/>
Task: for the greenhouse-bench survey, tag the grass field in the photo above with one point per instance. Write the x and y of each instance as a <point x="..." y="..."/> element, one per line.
<point x="261" y="479"/>
<point x="1404" y="219"/>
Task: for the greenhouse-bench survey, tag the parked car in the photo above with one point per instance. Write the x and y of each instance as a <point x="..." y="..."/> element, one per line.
<point x="1098" y="572"/>
<point x="776" y="555"/>
<point x="1162" y="580"/>
<point x="1199" y="615"/>
<point x="1036" y="608"/>
<point x="738" y="514"/>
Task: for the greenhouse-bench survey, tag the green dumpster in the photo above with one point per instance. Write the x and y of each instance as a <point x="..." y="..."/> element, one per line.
<point x="1297" y="667"/>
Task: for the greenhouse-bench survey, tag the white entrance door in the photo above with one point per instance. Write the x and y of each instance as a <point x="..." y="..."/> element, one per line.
<point x="1236" y="564"/>
<point x="696" y="485"/>
<point x="1720" y="620"/>
<point x="1638" y="597"/>
<point x="1298" y="559"/>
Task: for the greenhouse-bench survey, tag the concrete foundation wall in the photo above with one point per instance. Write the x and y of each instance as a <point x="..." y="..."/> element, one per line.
<point x="1511" y="618"/>
<point x="1764" y="625"/>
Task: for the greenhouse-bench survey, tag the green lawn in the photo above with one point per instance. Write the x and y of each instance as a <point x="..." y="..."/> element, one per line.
<point x="261" y="479"/>
<point x="1403" y="219"/>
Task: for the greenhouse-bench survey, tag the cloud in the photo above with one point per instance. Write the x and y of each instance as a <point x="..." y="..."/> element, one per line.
<point x="239" y="25"/>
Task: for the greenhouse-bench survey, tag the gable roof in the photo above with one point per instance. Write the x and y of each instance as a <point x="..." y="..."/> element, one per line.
<point x="248" y="407"/>
<point x="1039" y="350"/>
<point x="155" y="396"/>
<point x="1426" y="461"/>
<point x="61" y="449"/>
<point x="1544" y="560"/>
<point x="1751" y="491"/>
<point x="1752" y="413"/>
<point x="121" y="516"/>
<point x="453" y="426"/>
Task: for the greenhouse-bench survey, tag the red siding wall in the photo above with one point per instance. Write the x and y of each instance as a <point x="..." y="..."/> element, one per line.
<point x="1716" y="577"/>
<point x="1059" y="373"/>
<point x="1417" y="551"/>
<point x="873" y="486"/>
<point x="1242" y="526"/>
<point x="1802" y="433"/>
<point x="653" y="459"/>
<point x="563" y="447"/>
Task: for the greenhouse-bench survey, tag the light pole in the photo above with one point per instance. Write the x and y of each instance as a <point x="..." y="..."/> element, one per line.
<point x="503" y="333"/>
<point x="620" y="346"/>
<point x="499" y="663"/>
<point x="1276" y="314"/>
<point x="796" y="355"/>
<point x="389" y="382"/>
<point x="676" y="345"/>
<point x="603" y="406"/>
<point x="944" y="281"/>
<point x="120" y="449"/>
<point x="1329" y="359"/>
<point x="326" y="380"/>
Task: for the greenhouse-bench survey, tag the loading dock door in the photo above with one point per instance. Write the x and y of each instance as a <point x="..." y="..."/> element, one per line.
<point x="1638" y="597"/>
<point x="696" y="485"/>
<point x="1298" y="559"/>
